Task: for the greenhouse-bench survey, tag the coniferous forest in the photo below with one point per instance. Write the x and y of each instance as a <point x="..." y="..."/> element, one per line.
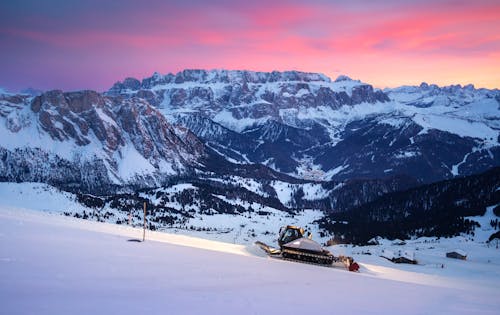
<point x="439" y="209"/>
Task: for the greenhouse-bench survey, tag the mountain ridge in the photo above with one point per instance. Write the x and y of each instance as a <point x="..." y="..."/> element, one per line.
<point x="300" y="124"/>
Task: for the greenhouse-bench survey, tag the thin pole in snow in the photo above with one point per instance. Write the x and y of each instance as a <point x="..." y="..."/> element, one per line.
<point x="144" y="230"/>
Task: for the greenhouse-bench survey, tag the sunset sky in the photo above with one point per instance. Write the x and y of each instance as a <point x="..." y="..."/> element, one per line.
<point x="91" y="44"/>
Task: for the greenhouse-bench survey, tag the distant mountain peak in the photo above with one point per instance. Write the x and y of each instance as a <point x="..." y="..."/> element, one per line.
<point x="3" y="91"/>
<point x="31" y="91"/>
<point x="344" y="77"/>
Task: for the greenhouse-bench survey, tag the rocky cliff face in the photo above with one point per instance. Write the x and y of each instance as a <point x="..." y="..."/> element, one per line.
<point x="246" y="94"/>
<point x="85" y="137"/>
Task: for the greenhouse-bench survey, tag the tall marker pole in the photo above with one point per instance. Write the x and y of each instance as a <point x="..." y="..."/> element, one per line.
<point x="144" y="230"/>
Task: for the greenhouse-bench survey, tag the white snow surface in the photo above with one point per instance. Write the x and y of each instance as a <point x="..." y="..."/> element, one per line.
<point x="38" y="196"/>
<point x="133" y="163"/>
<point x="314" y="191"/>
<point x="226" y="119"/>
<point x="283" y="191"/>
<point x="51" y="264"/>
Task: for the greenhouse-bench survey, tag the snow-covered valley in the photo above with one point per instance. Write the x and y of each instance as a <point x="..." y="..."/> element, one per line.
<point x="51" y="264"/>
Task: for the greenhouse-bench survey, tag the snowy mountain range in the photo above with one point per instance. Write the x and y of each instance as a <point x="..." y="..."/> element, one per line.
<point x="305" y="125"/>
<point x="308" y="126"/>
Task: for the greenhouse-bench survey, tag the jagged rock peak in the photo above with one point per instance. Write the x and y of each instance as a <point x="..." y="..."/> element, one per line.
<point x="244" y="76"/>
<point x="218" y="76"/>
<point x="76" y="102"/>
<point x="344" y="77"/>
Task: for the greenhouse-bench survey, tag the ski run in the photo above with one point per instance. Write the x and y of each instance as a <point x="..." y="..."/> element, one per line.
<point x="51" y="264"/>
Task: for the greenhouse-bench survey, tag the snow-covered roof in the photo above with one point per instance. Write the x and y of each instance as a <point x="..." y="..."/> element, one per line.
<point x="459" y="251"/>
<point x="389" y="254"/>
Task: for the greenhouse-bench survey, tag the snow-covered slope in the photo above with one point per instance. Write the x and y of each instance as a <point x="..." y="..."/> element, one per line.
<point x="40" y="197"/>
<point x="58" y="265"/>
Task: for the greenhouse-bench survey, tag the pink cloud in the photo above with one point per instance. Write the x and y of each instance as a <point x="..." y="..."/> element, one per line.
<point x="131" y="39"/>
